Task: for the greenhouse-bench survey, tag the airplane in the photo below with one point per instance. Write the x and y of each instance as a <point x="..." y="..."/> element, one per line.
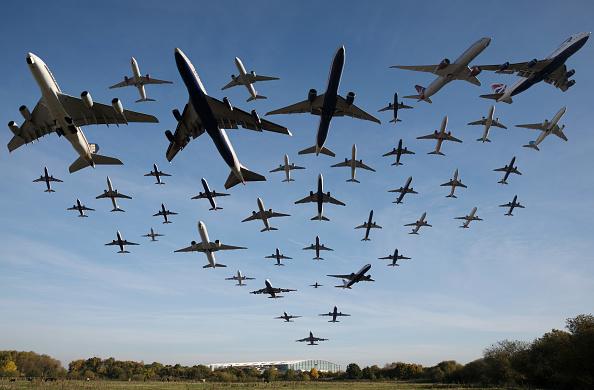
<point x="394" y="257"/>
<point x="353" y="163"/>
<point x="286" y="317"/>
<point x="272" y="291"/>
<point x="508" y="169"/>
<point x="349" y="280"/>
<point x="318" y="247"/>
<point x="488" y="122"/>
<point x="448" y="71"/>
<point x="47" y="178"/>
<point x="287" y="168"/>
<point x="398" y="152"/>
<point x="441" y="136"/>
<point x="278" y="257"/>
<point x="119" y="241"/>
<point x="418" y="224"/>
<point x="206" y="114"/>
<point x="208" y="247"/>
<point x="394" y="107"/>
<point x="469" y="218"/>
<point x="319" y="197"/>
<point x="139" y="81"/>
<point x="247" y="79"/>
<point x="512" y="205"/>
<point x="316" y="285"/>
<point x="210" y="195"/>
<point x="334" y="313"/>
<point x="81" y="208"/>
<point x="406" y="189"/>
<point x="239" y="278"/>
<point x="552" y="70"/>
<point x="327" y="106"/>
<point x="113" y="195"/>
<point x="311" y="339"/>
<point x="546" y="129"/>
<point x="368" y="226"/>
<point x="164" y="213"/>
<point x="157" y="174"/>
<point x="152" y="234"/>
<point x="454" y="183"/>
<point x="264" y="215"/>
<point x="65" y="114"/>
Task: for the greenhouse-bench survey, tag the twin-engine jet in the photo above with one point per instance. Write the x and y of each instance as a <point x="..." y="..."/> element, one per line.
<point x="311" y="339"/>
<point x="469" y="218"/>
<point x="512" y="205"/>
<point x="247" y="79"/>
<point x="139" y="81"/>
<point x="394" y="257"/>
<point x="319" y="197"/>
<point x="316" y="285"/>
<point x="157" y="174"/>
<point x="368" y="225"/>
<point x="418" y="224"/>
<point x="287" y="168"/>
<point x="353" y="163"/>
<point x="508" y="169"/>
<point x="334" y="314"/>
<point x="488" y="122"/>
<point x="454" y="183"/>
<point x="394" y="107"/>
<point x="113" y="195"/>
<point x="441" y="136"/>
<point x="287" y="317"/>
<point x="348" y="280"/>
<point x="448" y="71"/>
<point x="264" y="215"/>
<point x="47" y="179"/>
<point x="208" y="247"/>
<point x="316" y="246"/>
<point x="546" y="127"/>
<point x="278" y="256"/>
<point x="327" y="106"/>
<point x="119" y="241"/>
<point x="152" y="235"/>
<point x="210" y="195"/>
<point x="406" y="189"/>
<point x="239" y="278"/>
<point x="206" y="114"/>
<point x="398" y="152"/>
<point x="272" y="291"/>
<point x="81" y="208"/>
<point x="163" y="212"/>
<point x="64" y="115"/>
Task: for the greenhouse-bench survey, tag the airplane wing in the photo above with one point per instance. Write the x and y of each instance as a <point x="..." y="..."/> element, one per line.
<point x="450" y="137"/>
<point x="188" y="126"/>
<point x="260" y="291"/>
<point x="197" y="247"/>
<point x="345" y="109"/>
<point x="363" y="226"/>
<point x="253" y="217"/>
<point x="389" y="107"/>
<point x="312" y="247"/>
<point x="360" y="164"/>
<point x="325" y="248"/>
<point x="449" y="183"/>
<point x="121" y="196"/>
<point x="38" y="126"/>
<point x="391" y="153"/>
<point x="232" y="83"/>
<point x="305" y="339"/>
<point x="341" y="164"/>
<point x="521" y="68"/>
<point x="127" y="81"/>
<point x="328" y="199"/>
<point x="214" y="194"/>
<point x="232" y="119"/>
<point x="418" y="68"/>
<point x="479" y="122"/>
<point x="428" y="136"/>
<point x="279" y="169"/>
<point x="284" y="290"/>
<point x="309" y="198"/>
<point x="558" y="78"/>
<point x="273" y="214"/>
<point x="85" y="208"/>
<point x="533" y="126"/>
<point x="224" y="247"/>
<point x="348" y="276"/>
<point x="126" y="242"/>
<point x="253" y="78"/>
<point x="314" y="107"/>
<point x="496" y="123"/>
<point x="149" y="80"/>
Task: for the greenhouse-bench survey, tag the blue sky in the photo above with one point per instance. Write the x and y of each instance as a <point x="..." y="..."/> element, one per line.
<point x="64" y="293"/>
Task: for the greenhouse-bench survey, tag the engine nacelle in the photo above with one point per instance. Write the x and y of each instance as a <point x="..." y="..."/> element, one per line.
<point x="350" y="98"/>
<point x="176" y="114"/>
<point x="253" y="73"/>
<point x="503" y="67"/>
<point x="87" y="99"/>
<point x="570" y="83"/>
<point x="233" y="77"/>
<point x="193" y="243"/>
<point x="218" y="243"/>
<point x="310" y="193"/>
<point x="126" y="79"/>
<point x="228" y="103"/>
<point x="169" y="136"/>
<point x="570" y="73"/>
<point x="312" y="95"/>
<point x="25" y="112"/>
<point x="148" y="77"/>
<point x="445" y="62"/>
<point x="14" y="127"/>
<point x="474" y="71"/>
<point x="257" y="119"/>
<point x="328" y="193"/>
<point x="117" y="106"/>
<point x="532" y="63"/>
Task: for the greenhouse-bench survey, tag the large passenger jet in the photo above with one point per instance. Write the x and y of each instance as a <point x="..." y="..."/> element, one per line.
<point x="139" y="81"/>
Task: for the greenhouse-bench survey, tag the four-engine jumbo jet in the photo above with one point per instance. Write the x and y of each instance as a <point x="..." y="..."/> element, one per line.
<point x="394" y="257"/>
<point x="278" y="256"/>
<point x="157" y="174"/>
<point x="368" y="225"/>
<point x="394" y="107"/>
<point x="334" y="314"/>
<point x="469" y="218"/>
<point x="47" y="179"/>
<point x="287" y="168"/>
<point x="448" y="71"/>
<point x="552" y="70"/>
<point x="418" y="224"/>
<point x="441" y="136"/>
<point x="319" y="197"/>
<point x="119" y="241"/>
<point x="327" y="106"/>
<point x="152" y="235"/>
<point x="406" y="189"/>
<point x="206" y="114"/>
<point x="164" y="213"/>
<point x="546" y="129"/>
<point x="272" y="291"/>
<point x="210" y="195"/>
<point x="318" y="247"/>
<point x="311" y="339"/>
<point x="286" y="317"/>
<point x="208" y="247"/>
<point x="247" y="79"/>
<point x="453" y="183"/>
<point x="139" y="81"/>
<point x="353" y="163"/>
<point x="239" y="278"/>
<point x="113" y="195"/>
<point x="81" y="208"/>
<point x="65" y="114"/>
<point x="264" y="215"/>
<point x="488" y="122"/>
<point x="348" y="280"/>
<point x="512" y="205"/>
<point x="508" y="169"/>
<point x="398" y="152"/>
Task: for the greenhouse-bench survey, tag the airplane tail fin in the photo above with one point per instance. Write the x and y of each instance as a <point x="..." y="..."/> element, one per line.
<point x="117" y="209"/>
<point x="437" y="153"/>
<point x="531" y="145"/>
<point x="96" y="159"/>
<point x="319" y="218"/>
<point x="267" y="229"/>
<point x="286" y="181"/>
<point x="317" y="151"/>
<point x="215" y="208"/>
<point x="421" y="94"/>
<point x="353" y="181"/>
<point x="257" y="97"/>
<point x="145" y="100"/>
<point x="248" y="175"/>
<point x="498" y="91"/>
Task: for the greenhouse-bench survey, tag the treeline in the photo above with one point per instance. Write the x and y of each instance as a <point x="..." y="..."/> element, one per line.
<point x="29" y="364"/>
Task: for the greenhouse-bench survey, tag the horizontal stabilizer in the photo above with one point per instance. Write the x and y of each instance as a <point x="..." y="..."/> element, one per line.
<point x="247" y="175"/>
<point x="123" y="252"/>
<point x="49" y="190"/>
<point x="117" y="209"/>
<point x="217" y="265"/>
<point x="531" y="145"/>
<point x="496" y="96"/>
<point x="257" y="97"/>
<point x="353" y="181"/>
<point x="483" y="140"/>
<point x="502" y="182"/>
<point x="322" y="150"/>
<point x="145" y="100"/>
<point x="267" y="229"/>
<point x="286" y="181"/>
<point x="397" y="163"/>
<point x="366" y="239"/>
<point x="394" y="121"/>
<point x="451" y="196"/>
<point x="96" y="159"/>
<point x="437" y="153"/>
<point x="215" y="208"/>
<point x="319" y="218"/>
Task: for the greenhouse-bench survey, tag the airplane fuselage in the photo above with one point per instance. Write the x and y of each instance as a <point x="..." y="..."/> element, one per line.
<point x="488" y="123"/>
<point x="330" y="98"/>
<point x="205" y="241"/>
<point x="242" y="77"/>
<point x="137" y="78"/>
<point x="320" y="202"/>
<point x="208" y="194"/>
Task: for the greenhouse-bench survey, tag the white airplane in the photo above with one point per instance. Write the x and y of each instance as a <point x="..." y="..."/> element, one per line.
<point x="272" y="291"/>
<point x="441" y="136"/>
<point x="65" y="114"/>
<point x="453" y="183"/>
<point x="239" y="278"/>
<point x="157" y="174"/>
<point x="81" y="208"/>
<point x="418" y="224"/>
<point x="448" y="71"/>
<point x="113" y="195"/>
<point x="353" y="163"/>
<point x="139" y="81"/>
<point x="47" y="179"/>
<point x="488" y="122"/>
<point x="208" y="247"/>
<point x="287" y="168"/>
<point x="469" y="218"/>
<point x="163" y="212"/>
<point x="552" y="70"/>
<point x="546" y="129"/>
<point x="119" y="241"/>
<point x="152" y="235"/>
<point x="264" y="215"/>
<point x="248" y="80"/>
<point x="319" y="197"/>
<point x="311" y="339"/>
<point x="394" y="257"/>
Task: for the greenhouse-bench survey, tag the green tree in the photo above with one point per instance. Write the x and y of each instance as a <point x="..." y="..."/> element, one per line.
<point x="353" y="371"/>
<point x="270" y="374"/>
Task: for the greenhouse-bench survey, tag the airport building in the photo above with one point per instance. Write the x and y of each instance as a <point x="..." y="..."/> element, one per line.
<point x="284" y="365"/>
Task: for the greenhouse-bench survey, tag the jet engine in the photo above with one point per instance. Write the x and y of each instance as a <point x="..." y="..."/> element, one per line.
<point x="233" y="77"/>
<point x="14" y="128"/>
<point x="350" y="98"/>
<point x="217" y="243"/>
<point x="117" y="106"/>
<point x="193" y="243"/>
<point x="169" y="136"/>
<point x="532" y="63"/>
<point x="25" y="112"/>
<point x="474" y="71"/>
<point x="253" y="73"/>
<point x="312" y="95"/>
<point x="310" y="193"/>
<point x="228" y="103"/>
<point x="176" y="114"/>
<point x="148" y="77"/>
<point x="87" y="99"/>
<point x="126" y="79"/>
<point x="570" y="83"/>
<point x="570" y="73"/>
<point x="445" y="62"/>
<point x="257" y="119"/>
